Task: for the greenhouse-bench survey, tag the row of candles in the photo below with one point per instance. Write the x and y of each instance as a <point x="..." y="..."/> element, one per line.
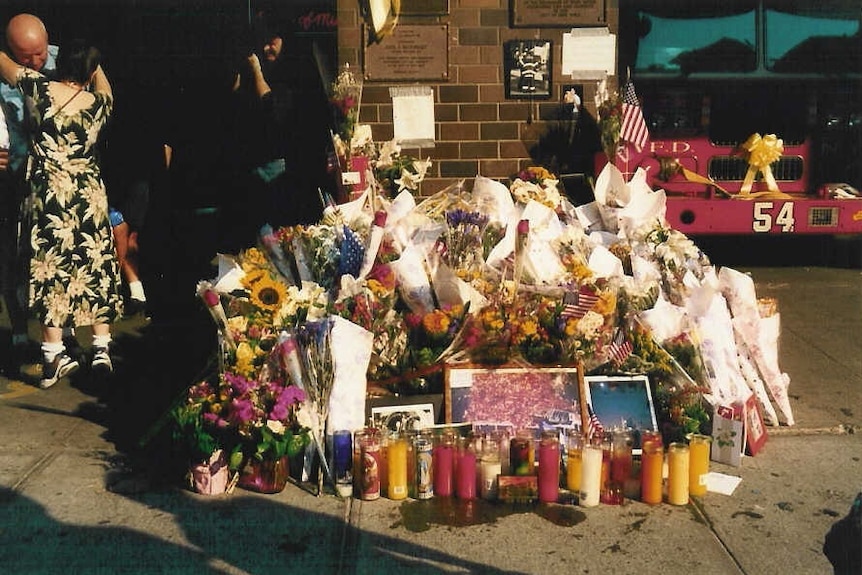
<point x="422" y="464"/>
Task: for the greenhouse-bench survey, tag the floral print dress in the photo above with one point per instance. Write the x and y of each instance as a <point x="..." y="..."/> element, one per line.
<point x="74" y="272"/>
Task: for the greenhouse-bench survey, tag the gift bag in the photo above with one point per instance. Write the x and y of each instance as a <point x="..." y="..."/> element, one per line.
<point x="728" y="434"/>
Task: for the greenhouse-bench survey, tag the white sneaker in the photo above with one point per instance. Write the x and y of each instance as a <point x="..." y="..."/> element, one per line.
<point x="102" y="360"/>
<point x="55" y="370"/>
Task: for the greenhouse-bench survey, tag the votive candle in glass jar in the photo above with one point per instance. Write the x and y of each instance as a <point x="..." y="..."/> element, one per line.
<point x="549" y="467"/>
<point x="574" y="450"/>
<point x="621" y="459"/>
<point x="652" y="462"/>
<point x="342" y="461"/>
<point x="443" y="463"/>
<point x="503" y="438"/>
<point x="677" y="473"/>
<point x="465" y="469"/>
<point x="490" y="468"/>
<point x="591" y="475"/>
<point x="396" y="451"/>
<point x="410" y="436"/>
<point x="699" y="447"/>
<point x="369" y="482"/>
<point x="423" y="447"/>
<point x="521" y="454"/>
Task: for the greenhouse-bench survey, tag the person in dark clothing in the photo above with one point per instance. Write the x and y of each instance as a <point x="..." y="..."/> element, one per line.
<point x="134" y="163"/>
<point x="280" y="142"/>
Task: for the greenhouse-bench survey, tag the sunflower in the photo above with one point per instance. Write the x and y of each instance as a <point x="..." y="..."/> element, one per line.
<point x="268" y="293"/>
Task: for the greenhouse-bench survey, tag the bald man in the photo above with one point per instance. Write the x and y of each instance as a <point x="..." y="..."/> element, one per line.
<point x="27" y="43"/>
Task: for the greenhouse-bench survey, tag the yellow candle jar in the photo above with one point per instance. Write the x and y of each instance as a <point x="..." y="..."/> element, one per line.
<point x="397" y="460"/>
<point x="699" y="446"/>
<point x="574" y="448"/>
<point x="677" y="473"/>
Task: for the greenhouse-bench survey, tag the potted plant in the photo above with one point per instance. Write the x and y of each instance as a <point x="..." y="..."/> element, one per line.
<point x="204" y="446"/>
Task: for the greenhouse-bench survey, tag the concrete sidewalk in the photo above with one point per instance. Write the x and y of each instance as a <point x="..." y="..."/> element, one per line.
<point x="79" y="493"/>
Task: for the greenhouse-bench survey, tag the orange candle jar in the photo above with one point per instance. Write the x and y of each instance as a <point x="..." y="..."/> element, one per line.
<point x="652" y="461"/>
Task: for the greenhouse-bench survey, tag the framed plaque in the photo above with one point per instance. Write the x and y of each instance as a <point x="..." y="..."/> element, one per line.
<point x="412" y="52"/>
<point x="557" y="13"/>
<point x="527" y="69"/>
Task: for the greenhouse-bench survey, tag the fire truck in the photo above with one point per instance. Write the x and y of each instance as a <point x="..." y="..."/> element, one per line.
<point x="712" y="75"/>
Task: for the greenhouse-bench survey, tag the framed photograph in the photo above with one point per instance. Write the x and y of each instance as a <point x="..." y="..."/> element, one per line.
<point x="513" y="397"/>
<point x="622" y="401"/>
<point x="403" y="414"/>
<point x="527" y="69"/>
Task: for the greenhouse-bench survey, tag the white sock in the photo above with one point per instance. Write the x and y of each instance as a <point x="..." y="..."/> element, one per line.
<point x="101" y="340"/>
<point x="136" y="290"/>
<point x="50" y="349"/>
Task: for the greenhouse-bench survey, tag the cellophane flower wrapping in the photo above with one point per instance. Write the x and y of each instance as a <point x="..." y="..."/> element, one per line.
<point x="496" y="275"/>
<point x="752" y="330"/>
<point x="351" y="350"/>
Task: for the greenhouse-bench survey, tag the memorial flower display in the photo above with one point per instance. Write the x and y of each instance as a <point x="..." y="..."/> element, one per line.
<point x="497" y="275"/>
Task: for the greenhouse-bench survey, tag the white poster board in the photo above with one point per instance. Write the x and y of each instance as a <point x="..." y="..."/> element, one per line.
<point x="589" y="53"/>
<point x="413" y="115"/>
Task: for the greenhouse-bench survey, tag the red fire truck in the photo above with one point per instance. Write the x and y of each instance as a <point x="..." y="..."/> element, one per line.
<point x="710" y="75"/>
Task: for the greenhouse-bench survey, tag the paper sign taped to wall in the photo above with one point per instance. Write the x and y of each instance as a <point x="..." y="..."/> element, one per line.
<point x="413" y="115"/>
<point x="589" y="53"/>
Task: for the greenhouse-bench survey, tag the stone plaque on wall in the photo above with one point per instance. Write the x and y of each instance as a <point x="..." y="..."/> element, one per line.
<point x="424" y="7"/>
<point x="557" y="13"/>
<point x="413" y="52"/>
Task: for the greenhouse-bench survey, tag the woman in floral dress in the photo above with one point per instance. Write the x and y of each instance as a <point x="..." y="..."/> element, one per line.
<point x="74" y="274"/>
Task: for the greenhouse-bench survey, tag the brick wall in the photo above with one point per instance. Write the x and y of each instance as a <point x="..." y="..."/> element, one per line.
<point x="478" y="131"/>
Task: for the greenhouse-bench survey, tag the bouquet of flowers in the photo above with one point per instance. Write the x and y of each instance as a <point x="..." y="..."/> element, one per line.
<point x="371" y="303"/>
<point x="429" y="341"/>
<point x="345" y="99"/>
<point x="395" y="172"/>
<point x="674" y="254"/>
<point x="463" y="242"/>
<point x="538" y="184"/>
<point x="609" y="107"/>
<point x="246" y="418"/>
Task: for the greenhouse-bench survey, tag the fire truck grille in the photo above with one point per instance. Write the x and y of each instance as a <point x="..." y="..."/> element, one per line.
<point x="733" y="169"/>
<point x="823" y="217"/>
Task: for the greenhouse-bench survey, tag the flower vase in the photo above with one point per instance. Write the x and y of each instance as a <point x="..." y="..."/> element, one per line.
<point x="265" y="475"/>
<point x="211" y="477"/>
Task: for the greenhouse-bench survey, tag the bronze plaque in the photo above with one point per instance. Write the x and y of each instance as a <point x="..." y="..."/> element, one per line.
<point x="411" y="52"/>
<point x="424" y="7"/>
<point x="558" y="13"/>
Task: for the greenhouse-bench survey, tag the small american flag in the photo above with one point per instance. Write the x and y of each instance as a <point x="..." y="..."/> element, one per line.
<point x="634" y="128"/>
<point x="576" y="304"/>
<point x="594" y="426"/>
<point x="620" y="347"/>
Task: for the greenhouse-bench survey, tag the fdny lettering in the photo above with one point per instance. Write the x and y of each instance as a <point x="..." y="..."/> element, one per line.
<point x="669" y="147"/>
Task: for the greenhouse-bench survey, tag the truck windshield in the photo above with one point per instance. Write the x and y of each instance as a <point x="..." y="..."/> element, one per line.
<point x="687" y="45"/>
<point x="802" y="43"/>
<point x="684" y="41"/>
